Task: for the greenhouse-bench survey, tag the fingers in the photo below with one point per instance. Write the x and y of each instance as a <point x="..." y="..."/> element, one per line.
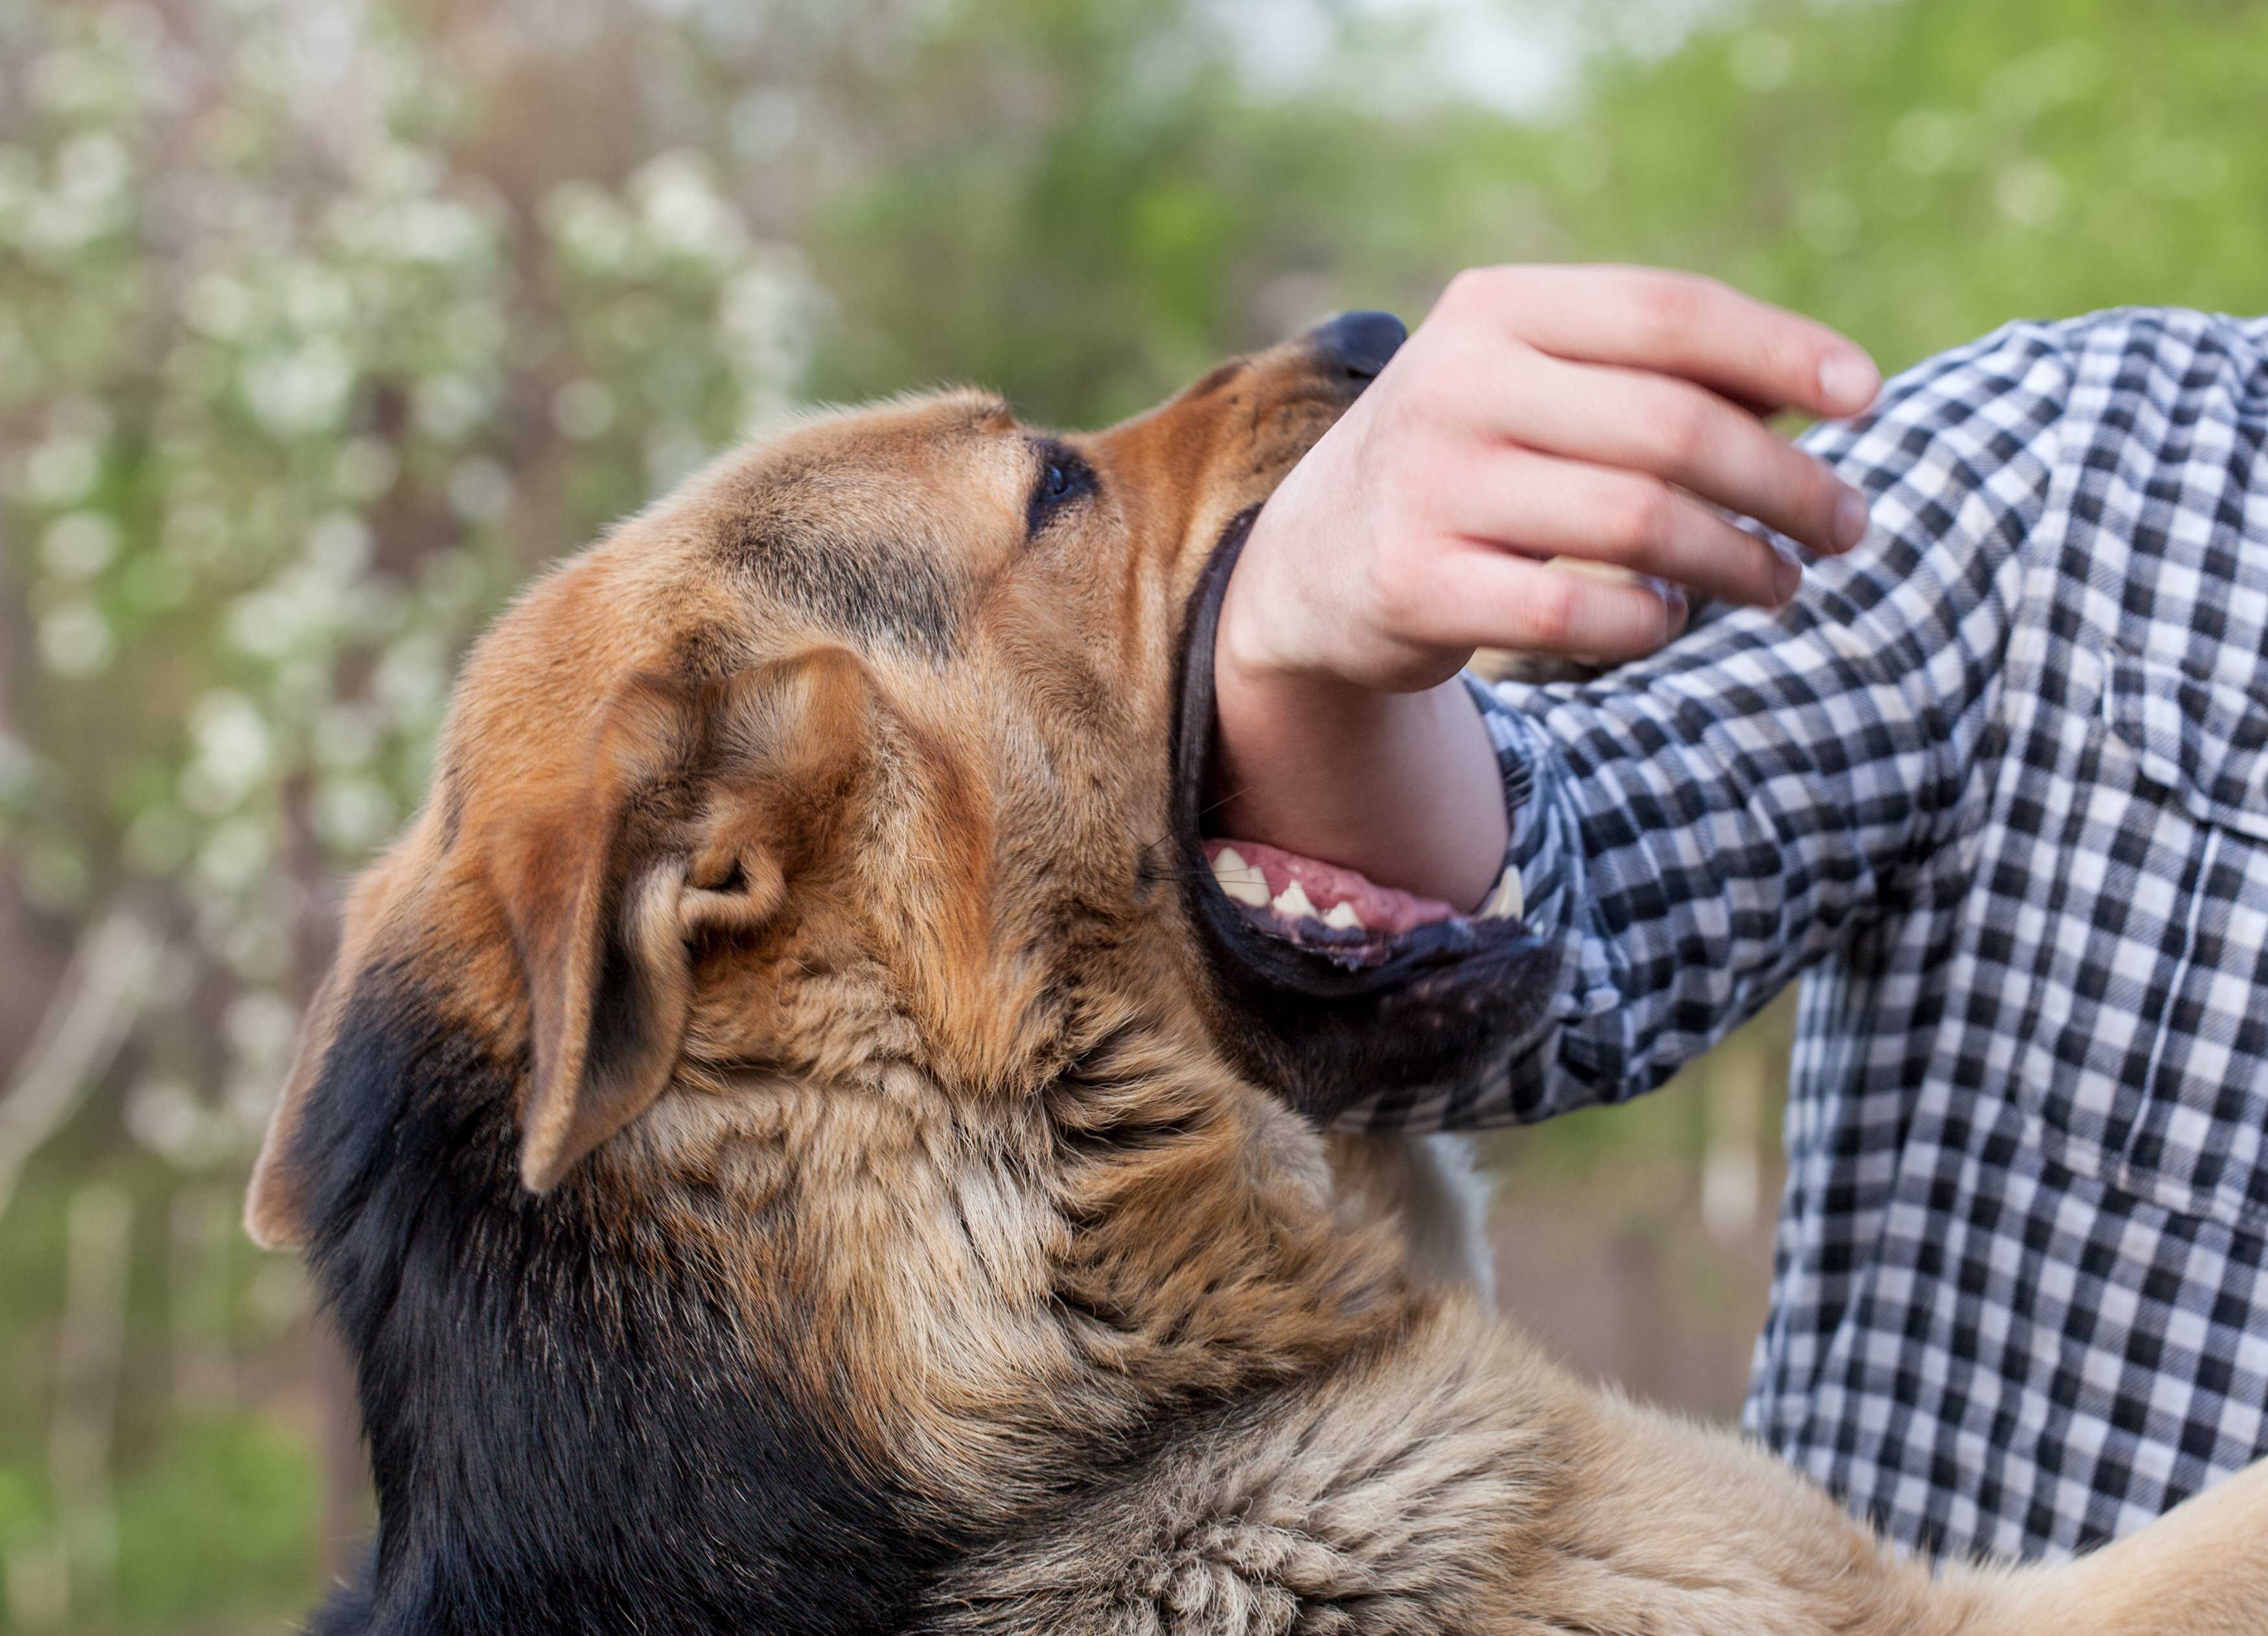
<point x="1678" y="324"/>
<point x="1506" y="602"/>
<point x="1590" y="414"/>
<point x="1682" y="433"/>
<point x="1541" y="505"/>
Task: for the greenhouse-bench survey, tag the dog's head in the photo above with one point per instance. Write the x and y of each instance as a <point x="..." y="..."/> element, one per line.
<point x="885" y="741"/>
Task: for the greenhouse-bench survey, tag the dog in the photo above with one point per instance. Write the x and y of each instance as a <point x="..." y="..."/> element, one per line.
<point x="805" y="1134"/>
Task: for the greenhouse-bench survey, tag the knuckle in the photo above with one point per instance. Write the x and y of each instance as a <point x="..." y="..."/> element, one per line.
<point x="1677" y="306"/>
<point x="1670" y="301"/>
<point x="1548" y="614"/>
<point x="1640" y="515"/>
<point x="1469" y="292"/>
<point x="1482" y="296"/>
<point x="1682" y="429"/>
<point x="1790" y="359"/>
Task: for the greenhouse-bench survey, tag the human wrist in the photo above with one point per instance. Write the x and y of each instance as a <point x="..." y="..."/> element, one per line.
<point x="1401" y="786"/>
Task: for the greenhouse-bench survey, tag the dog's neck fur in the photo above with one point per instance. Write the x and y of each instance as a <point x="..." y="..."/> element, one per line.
<point x="963" y="1289"/>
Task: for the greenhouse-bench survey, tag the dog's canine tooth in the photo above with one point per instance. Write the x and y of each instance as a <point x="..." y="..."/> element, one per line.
<point x="1509" y="901"/>
<point x="1342" y="917"/>
<point x="1242" y="881"/>
<point x="1292" y="902"/>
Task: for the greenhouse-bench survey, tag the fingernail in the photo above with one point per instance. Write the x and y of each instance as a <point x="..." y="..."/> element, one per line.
<point x="1848" y="381"/>
<point x="1787" y="577"/>
<point x="1850" y="518"/>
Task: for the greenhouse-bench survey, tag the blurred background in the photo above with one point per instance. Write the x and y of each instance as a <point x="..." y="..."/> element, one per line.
<point x="323" y="322"/>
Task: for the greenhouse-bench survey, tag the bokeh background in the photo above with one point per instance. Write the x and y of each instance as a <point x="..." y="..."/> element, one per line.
<point x="323" y="322"/>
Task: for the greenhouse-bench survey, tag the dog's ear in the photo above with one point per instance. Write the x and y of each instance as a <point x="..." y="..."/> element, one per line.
<point x="594" y="915"/>
<point x="276" y="1203"/>
<point x="697" y="803"/>
<point x="604" y="968"/>
<point x="677" y="821"/>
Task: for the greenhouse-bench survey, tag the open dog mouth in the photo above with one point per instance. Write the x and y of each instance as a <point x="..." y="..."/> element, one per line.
<point x="1334" y="986"/>
<point x="1300" y="921"/>
<point x="1324" y="906"/>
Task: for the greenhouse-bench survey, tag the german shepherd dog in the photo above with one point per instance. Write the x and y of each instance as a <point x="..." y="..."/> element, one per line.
<point x="798" y="1138"/>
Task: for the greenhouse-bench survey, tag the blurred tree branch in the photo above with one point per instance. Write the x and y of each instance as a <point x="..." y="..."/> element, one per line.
<point x="101" y="995"/>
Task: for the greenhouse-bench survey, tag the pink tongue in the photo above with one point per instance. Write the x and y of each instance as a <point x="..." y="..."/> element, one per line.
<point x="1380" y="907"/>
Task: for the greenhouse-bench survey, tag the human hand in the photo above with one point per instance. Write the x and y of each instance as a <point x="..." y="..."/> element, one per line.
<point x="1589" y="413"/>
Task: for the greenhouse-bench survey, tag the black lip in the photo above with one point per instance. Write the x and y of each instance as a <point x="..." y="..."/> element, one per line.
<point x="1329" y="1023"/>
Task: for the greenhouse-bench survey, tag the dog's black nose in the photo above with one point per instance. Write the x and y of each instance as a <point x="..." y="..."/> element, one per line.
<point x="1358" y="343"/>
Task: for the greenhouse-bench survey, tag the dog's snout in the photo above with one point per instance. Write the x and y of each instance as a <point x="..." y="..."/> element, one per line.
<point x="1358" y="343"/>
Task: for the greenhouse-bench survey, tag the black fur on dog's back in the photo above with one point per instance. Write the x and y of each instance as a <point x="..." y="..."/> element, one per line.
<point x="570" y="1429"/>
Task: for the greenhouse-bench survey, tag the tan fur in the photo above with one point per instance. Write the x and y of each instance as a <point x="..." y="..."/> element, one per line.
<point x="869" y="792"/>
<point x="1428" y="1186"/>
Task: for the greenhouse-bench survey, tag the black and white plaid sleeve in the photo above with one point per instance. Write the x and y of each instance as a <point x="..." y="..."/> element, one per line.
<point x="1701" y="826"/>
<point x="1996" y="785"/>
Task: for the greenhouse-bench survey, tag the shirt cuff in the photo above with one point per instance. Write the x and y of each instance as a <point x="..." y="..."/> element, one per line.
<point x="1544" y="872"/>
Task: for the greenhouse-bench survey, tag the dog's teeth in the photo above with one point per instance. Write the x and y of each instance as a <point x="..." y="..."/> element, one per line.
<point x="1293" y="901"/>
<point x="1239" y="880"/>
<point x="1342" y="917"/>
<point x="1508" y="902"/>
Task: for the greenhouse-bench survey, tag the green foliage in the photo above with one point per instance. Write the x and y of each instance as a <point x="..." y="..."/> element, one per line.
<point x="216" y="1524"/>
<point x="1071" y="250"/>
<point x="294" y="383"/>
<point x="1919" y="173"/>
<point x="205" y="1509"/>
<point x="1916" y="173"/>
<point x="1128" y="215"/>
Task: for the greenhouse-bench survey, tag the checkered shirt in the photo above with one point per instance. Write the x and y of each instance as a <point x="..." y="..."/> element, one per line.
<point x="1996" y="784"/>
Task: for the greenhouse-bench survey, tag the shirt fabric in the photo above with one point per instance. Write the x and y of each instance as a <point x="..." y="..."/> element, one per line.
<point x="1996" y="782"/>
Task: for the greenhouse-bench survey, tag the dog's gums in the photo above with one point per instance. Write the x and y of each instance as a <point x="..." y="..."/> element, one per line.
<point x="1308" y="901"/>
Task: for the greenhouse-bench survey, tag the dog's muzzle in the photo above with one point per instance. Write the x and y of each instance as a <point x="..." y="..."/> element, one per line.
<point x="1324" y="1008"/>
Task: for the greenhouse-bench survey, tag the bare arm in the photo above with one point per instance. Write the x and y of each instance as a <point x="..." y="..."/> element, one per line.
<point x="1538" y="412"/>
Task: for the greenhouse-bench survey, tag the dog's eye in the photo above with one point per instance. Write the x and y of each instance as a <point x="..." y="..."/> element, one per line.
<point x="1063" y="478"/>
